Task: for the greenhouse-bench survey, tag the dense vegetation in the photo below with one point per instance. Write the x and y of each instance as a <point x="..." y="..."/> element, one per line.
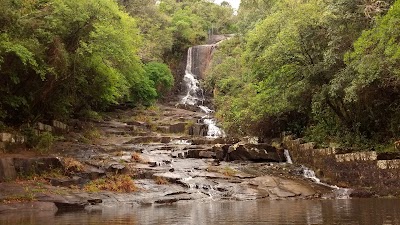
<point x="324" y="69"/>
<point x="327" y="70"/>
<point x="60" y="59"/>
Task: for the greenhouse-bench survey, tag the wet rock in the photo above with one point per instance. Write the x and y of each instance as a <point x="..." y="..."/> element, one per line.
<point x="282" y="188"/>
<point x="117" y="168"/>
<point x="144" y="173"/>
<point x="29" y="166"/>
<point x="92" y="173"/>
<point x="27" y="206"/>
<point x="144" y="139"/>
<point x="7" y="170"/>
<point x="163" y="129"/>
<point x="226" y="140"/>
<point x="171" y="177"/>
<point x="198" y="129"/>
<point x="165" y="140"/>
<point x="65" y="202"/>
<point x="153" y="164"/>
<point x="166" y="201"/>
<point x="178" y="127"/>
<point x="71" y="206"/>
<point x="200" y="153"/>
<point x="202" y="141"/>
<point x="206" y="154"/>
<point x="67" y="182"/>
<point x="255" y="152"/>
<point x="221" y="151"/>
<point x="137" y="123"/>
<point x="180" y="154"/>
<point x="192" y="108"/>
<point x="95" y="201"/>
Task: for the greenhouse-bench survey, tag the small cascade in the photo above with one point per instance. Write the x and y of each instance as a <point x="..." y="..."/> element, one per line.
<point x="287" y="156"/>
<point x="197" y="61"/>
<point x="339" y="193"/>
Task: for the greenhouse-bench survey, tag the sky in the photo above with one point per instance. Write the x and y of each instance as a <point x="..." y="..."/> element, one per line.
<point x="234" y="3"/>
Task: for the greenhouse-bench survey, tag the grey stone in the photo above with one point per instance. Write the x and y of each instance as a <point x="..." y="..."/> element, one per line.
<point x="6" y="137"/>
<point x="66" y="182"/>
<point x="29" y="166"/>
<point x="198" y="129"/>
<point x="7" y="170"/>
<point x="117" y="168"/>
<point x="255" y="152"/>
<point x="178" y="128"/>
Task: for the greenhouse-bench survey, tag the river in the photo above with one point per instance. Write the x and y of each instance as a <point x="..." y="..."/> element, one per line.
<point x="340" y="211"/>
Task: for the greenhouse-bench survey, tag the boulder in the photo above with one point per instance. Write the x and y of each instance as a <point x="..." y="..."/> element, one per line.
<point x="255" y="152"/>
<point x="221" y="151"/>
<point x="67" y="182"/>
<point x="163" y="129"/>
<point x="117" y="168"/>
<point x="178" y="128"/>
<point x="198" y="129"/>
<point x="144" y="139"/>
<point x="29" y="166"/>
<point x="137" y="123"/>
<point x="6" y="137"/>
<point x="7" y="169"/>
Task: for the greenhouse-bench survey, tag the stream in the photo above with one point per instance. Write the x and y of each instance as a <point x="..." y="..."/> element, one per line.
<point x="342" y="211"/>
<point x="204" y="179"/>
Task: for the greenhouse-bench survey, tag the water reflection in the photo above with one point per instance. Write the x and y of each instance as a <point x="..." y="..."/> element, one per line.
<point x="346" y="211"/>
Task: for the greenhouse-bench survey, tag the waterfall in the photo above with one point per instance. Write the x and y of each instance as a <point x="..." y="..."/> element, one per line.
<point x="287" y="156"/>
<point x="192" y="96"/>
<point x="198" y="58"/>
<point x="339" y="193"/>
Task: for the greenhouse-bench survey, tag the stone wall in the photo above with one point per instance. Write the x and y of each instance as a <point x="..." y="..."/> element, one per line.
<point x="9" y="140"/>
<point x="376" y="173"/>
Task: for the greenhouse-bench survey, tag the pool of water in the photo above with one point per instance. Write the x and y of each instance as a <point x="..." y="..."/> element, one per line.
<point x="344" y="211"/>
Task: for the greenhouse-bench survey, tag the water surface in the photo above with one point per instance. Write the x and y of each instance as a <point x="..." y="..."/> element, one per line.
<point x="345" y="211"/>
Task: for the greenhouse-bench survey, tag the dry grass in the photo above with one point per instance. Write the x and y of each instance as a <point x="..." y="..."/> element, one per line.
<point x="117" y="183"/>
<point x="138" y="158"/>
<point x="227" y="171"/>
<point x="161" y="180"/>
<point x="72" y="165"/>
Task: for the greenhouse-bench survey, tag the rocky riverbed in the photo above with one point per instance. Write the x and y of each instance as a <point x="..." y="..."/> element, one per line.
<point x="150" y="156"/>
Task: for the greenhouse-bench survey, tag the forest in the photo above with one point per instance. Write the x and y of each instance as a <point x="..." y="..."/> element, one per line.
<point x="63" y="59"/>
<point x="326" y="70"/>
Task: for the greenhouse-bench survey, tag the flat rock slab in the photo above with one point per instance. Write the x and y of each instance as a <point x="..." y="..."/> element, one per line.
<point x="282" y="188"/>
<point x="27" y="206"/>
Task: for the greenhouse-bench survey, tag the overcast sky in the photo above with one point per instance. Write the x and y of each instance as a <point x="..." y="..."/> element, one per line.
<point x="234" y="3"/>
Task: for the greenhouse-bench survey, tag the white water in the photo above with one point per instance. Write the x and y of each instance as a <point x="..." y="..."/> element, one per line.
<point x="340" y="193"/>
<point x="287" y="156"/>
<point x="192" y="84"/>
<point x="194" y="96"/>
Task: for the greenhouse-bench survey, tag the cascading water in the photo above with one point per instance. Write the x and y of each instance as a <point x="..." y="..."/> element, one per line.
<point x="194" y="93"/>
<point x="340" y="193"/>
<point x="287" y="156"/>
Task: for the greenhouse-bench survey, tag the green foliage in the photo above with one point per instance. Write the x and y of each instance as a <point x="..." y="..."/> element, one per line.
<point x="161" y="75"/>
<point x="41" y="142"/>
<point x="293" y="69"/>
<point x="44" y="142"/>
<point x="61" y="57"/>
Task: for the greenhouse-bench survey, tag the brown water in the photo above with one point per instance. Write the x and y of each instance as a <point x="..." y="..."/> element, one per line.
<point x="348" y="211"/>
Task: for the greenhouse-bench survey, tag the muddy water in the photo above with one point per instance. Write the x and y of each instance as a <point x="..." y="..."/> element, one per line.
<point x="346" y="211"/>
